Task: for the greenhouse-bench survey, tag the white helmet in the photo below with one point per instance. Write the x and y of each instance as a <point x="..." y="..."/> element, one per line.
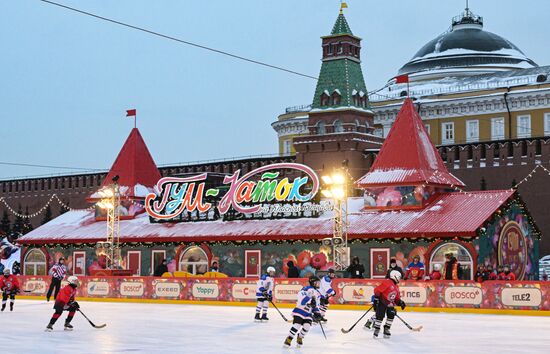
<point x="73" y="280"/>
<point x="7" y="271"/>
<point x="395" y="275"/>
<point x="270" y="269"/>
<point x="437" y="266"/>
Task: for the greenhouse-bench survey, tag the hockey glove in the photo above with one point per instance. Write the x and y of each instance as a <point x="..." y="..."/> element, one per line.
<point x="375" y="301"/>
<point x="317" y="316"/>
<point x="402" y="304"/>
<point x="265" y="294"/>
<point x="324" y="301"/>
<point x="269" y="297"/>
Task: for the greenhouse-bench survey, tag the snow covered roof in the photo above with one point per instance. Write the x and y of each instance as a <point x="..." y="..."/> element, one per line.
<point x="135" y="167"/>
<point x="448" y="215"/>
<point x="408" y="156"/>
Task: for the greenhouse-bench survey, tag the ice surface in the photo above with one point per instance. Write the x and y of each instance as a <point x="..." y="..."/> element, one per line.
<point x="159" y="328"/>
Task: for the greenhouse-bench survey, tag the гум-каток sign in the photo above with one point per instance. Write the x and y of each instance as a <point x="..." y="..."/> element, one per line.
<point x="247" y="194"/>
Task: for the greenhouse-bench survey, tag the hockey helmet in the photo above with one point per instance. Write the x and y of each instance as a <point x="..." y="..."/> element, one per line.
<point x="395" y="275"/>
<point x="437" y="266"/>
<point x="7" y="272"/>
<point x="73" y="280"/>
<point x="314" y="281"/>
<point x="271" y="270"/>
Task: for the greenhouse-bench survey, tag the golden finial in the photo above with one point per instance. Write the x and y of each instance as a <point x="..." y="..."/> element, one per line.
<point x="343" y="5"/>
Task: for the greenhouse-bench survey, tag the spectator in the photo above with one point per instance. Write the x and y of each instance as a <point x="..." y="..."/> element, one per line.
<point x="435" y="274"/>
<point x="214" y="267"/>
<point x="415" y="270"/>
<point x="394" y="266"/>
<point x="57" y="272"/>
<point x="293" y="271"/>
<point x="161" y="269"/>
<point x="500" y="272"/>
<point x="451" y="270"/>
<point x="508" y="275"/>
<point x="480" y="274"/>
<point x="491" y="274"/>
<point x="356" y="269"/>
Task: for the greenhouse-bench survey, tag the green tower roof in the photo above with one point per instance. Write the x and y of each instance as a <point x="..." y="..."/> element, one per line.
<point x="341" y="26"/>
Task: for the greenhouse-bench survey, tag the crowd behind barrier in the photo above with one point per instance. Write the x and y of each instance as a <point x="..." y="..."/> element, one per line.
<point x="510" y="295"/>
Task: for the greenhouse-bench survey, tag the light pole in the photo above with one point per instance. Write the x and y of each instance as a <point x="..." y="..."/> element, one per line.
<point x="110" y="201"/>
<point x="336" y="189"/>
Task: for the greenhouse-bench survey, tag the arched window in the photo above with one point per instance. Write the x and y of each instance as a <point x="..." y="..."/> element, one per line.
<point x="321" y="129"/>
<point x="460" y="252"/>
<point x="338" y="127"/>
<point x="35" y="263"/>
<point x="194" y="260"/>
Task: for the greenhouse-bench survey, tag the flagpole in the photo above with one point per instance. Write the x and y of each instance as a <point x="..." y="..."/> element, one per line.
<point x="135" y="120"/>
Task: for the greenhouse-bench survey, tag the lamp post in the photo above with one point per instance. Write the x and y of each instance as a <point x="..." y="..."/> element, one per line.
<point x="110" y="201"/>
<point x="336" y="189"/>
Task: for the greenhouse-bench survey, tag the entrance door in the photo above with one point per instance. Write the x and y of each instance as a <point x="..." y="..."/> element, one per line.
<point x="134" y="262"/>
<point x="253" y="263"/>
<point x="157" y="256"/>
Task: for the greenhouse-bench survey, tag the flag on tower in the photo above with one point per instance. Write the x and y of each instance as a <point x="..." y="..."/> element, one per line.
<point x="131" y="113"/>
<point x="402" y="79"/>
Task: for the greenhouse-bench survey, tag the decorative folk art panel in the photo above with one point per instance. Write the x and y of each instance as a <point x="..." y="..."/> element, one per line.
<point x="436" y="294"/>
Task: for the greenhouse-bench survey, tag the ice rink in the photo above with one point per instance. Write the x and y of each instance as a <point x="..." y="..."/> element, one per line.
<point x="159" y="328"/>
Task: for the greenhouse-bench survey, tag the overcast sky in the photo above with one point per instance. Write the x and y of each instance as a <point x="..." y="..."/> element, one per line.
<point x="67" y="79"/>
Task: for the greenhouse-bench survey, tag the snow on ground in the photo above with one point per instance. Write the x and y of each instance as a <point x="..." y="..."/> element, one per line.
<point x="160" y="328"/>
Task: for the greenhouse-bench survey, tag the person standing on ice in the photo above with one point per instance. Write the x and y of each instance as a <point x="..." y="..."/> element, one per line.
<point x="57" y="272"/>
<point x="65" y="301"/>
<point x="305" y="312"/>
<point x="386" y="297"/>
<point x="264" y="293"/>
<point x="415" y="270"/>
<point x="10" y="287"/>
<point x="327" y="292"/>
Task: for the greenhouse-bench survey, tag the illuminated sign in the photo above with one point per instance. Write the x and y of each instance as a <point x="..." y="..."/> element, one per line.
<point x="257" y="191"/>
<point x="512" y="250"/>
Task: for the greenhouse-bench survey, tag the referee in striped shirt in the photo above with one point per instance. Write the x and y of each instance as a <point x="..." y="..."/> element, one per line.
<point x="57" y="272"/>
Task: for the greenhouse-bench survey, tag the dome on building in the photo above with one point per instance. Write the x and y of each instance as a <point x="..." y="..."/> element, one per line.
<point x="465" y="49"/>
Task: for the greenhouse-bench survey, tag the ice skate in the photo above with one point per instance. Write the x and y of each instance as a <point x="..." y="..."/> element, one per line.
<point x="368" y="325"/>
<point x="264" y="317"/>
<point x="387" y="333"/>
<point x="376" y="332"/>
<point x="299" y="341"/>
<point x="68" y="327"/>
<point x="49" y="328"/>
<point x="288" y="342"/>
<point x="257" y="318"/>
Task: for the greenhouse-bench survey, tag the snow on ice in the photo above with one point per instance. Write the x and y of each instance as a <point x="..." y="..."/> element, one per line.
<point x="160" y="328"/>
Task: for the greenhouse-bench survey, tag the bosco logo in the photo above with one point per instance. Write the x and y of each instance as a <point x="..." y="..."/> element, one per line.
<point x="243" y="291"/>
<point x="132" y="288"/>
<point x="205" y="290"/>
<point x="463" y="295"/>
<point x="168" y="289"/>
<point x="287" y="291"/>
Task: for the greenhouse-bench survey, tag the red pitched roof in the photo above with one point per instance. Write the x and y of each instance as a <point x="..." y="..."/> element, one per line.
<point x="448" y="215"/>
<point x="134" y="165"/>
<point x="408" y="156"/>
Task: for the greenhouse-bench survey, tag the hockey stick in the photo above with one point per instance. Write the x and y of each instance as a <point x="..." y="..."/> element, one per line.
<point x="93" y="325"/>
<point x="279" y="311"/>
<point x="322" y="329"/>
<point x="355" y="324"/>
<point x="414" y="329"/>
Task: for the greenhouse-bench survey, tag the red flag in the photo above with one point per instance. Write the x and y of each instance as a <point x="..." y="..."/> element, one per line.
<point x="131" y="113"/>
<point x="402" y="79"/>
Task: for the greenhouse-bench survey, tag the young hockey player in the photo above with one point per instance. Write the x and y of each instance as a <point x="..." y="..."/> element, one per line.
<point x="327" y="292"/>
<point x="305" y="312"/>
<point x="10" y="287"/>
<point x="65" y="302"/>
<point x="264" y="293"/>
<point x="386" y="297"/>
<point x="507" y="274"/>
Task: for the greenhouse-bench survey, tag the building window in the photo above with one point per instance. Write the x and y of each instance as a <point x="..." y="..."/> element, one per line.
<point x="340" y="49"/>
<point x="321" y="129"/>
<point x="35" y="263"/>
<point x="336" y="98"/>
<point x="324" y="99"/>
<point x="194" y="260"/>
<point x="330" y="49"/>
<point x="472" y="130"/>
<point x="448" y="133"/>
<point x="460" y="252"/>
<point x="497" y="128"/>
<point x="524" y="126"/>
<point x="338" y="127"/>
<point x="286" y="146"/>
<point x="546" y="124"/>
<point x="427" y="126"/>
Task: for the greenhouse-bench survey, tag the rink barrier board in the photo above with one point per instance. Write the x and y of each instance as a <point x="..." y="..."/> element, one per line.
<point x="443" y="296"/>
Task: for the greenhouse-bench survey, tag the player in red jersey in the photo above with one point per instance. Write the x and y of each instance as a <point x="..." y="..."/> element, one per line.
<point x="9" y="286"/>
<point x="386" y="297"/>
<point x="65" y="302"/>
